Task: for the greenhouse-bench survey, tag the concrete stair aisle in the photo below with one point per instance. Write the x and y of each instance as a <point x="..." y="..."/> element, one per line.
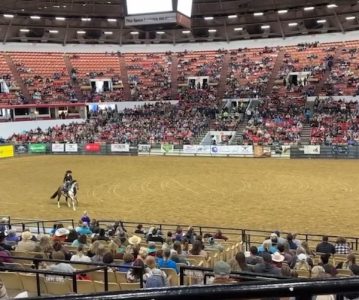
<point x="124" y="78"/>
<point x="198" y="139"/>
<point x="174" y="76"/>
<point x="239" y="133"/>
<point x="74" y="83"/>
<point x="321" y="83"/>
<point x="305" y="134"/>
<point x="278" y="64"/>
<point x="17" y="77"/>
<point x="223" y="76"/>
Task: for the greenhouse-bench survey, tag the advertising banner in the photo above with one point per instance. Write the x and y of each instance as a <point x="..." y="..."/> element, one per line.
<point x="120" y="148"/>
<point x="232" y="150"/>
<point x="57" y="147"/>
<point x="144" y="148"/>
<point x="312" y="149"/>
<point x="166" y="148"/>
<point x="37" y="148"/>
<point x="71" y="147"/>
<point x="21" y="149"/>
<point x="151" y="19"/>
<point x="6" y="151"/>
<point x="197" y="149"/>
<point x="92" y="147"/>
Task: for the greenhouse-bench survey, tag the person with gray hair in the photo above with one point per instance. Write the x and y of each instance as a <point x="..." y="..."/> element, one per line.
<point x="222" y="271"/>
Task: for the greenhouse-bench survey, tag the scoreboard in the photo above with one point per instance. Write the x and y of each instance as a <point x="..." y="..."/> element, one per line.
<point x="155" y="12"/>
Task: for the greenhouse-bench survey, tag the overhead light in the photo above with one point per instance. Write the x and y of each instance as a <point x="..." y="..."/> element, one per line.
<point x="160" y="32"/>
<point x="53" y="31"/>
<point x="134" y="32"/>
<point x="238" y="29"/>
<point x="332" y="5"/>
<point x="24" y="30"/>
<point x="212" y="30"/>
<point x="108" y="32"/>
<point x="282" y="11"/>
<point x="85" y="19"/>
<point x="186" y="31"/>
<point x="349" y="18"/>
<point x="292" y="24"/>
<point x="232" y="16"/>
<point x="60" y="18"/>
<point x="208" y="18"/>
<point x="321" y="21"/>
<point x="258" y="14"/>
<point x="8" y="16"/>
<point x="265" y="26"/>
<point x="308" y="8"/>
<point x="111" y="20"/>
<point x="81" y="32"/>
<point x="35" y="17"/>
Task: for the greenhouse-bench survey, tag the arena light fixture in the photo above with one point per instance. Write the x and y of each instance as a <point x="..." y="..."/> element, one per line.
<point x="232" y="17"/>
<point x="321" y="21"/>
<point x="108" y="32"/>
<point x="238" y="29"/>
<point x="53" y="31"/>
<point x="265" y="26"/>
<point x="186" y="31"/>
<point x="333" y="5"/>
<point x="111" y="20"/>
<point x="293" y="24"/>
<point x="208" y="18"/>
<point x="8" y="16"/>
<point x="212" y="30"/>
<point x="134" y="32"/>
<point x="258" y="14"/>
<point x="282" y="11"/>
<point x="24" y="30"/>
<point x="81" y="32"/>
<point x="35" y="17"/>
<point x="308" y="8"/>
<point x="350" y="18"/>
<point x="160" y="32"/>
<point x="60" y="18"/>
<point x="86" y="19"/>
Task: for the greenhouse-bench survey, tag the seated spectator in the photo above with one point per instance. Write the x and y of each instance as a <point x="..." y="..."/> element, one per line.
<point x="71" y="236"/>
<point x="154" y="235"/>
<point x="222" y="271"/>
<point x="26" y="244"/>
<point x="341" y="246"/>
<point x="128" y="259"/>
<point x="134" y="274"/>
<point x="80" y="256"/>
<point x="292" y="245"/>
<point x="85" y="218"/>
<point x="139" y="229"/>
<point x="197" y="249"/>
<point x="101" y="236"/>
<point x="45" y="244"/>
<point x="302" y="263"/>
<point x="219" y="236"/>
<point x="83" y="229"/>
<point x="212" y="245"/>
<point x="350" y="264"/>
<point x="4" y="244"/>
<point x="267" y="247"/>
<point x="253" y="257"/>
<point x="61" y="235"/>
<point x="134" y="240"/>
<point x="267" y="266"/>
<point x="59" y="267"/>
<point x="325" y="246"/>
<point x="154" y="277"/>
<point x="238" y="263"/>
<point x="328" y="267"/>
<point x="11" y="239"/>
<point x="166" y="261"/>
<point x="99" y="252"/>
<point x="81" y="240"/>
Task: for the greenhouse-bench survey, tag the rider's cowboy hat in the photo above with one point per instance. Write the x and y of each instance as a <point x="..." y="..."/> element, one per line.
<point x="68" y="171"/>
<point x="62" y="232"/>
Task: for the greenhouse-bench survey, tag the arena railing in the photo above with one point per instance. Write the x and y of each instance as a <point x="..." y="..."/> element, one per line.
<point x="40" y="226"/>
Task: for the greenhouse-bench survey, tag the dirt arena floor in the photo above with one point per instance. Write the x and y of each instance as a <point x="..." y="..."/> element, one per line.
<point x="316" y="196"/>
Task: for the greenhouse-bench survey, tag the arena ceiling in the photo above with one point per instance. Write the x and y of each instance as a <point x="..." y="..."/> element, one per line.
<point x="102" y="21"/>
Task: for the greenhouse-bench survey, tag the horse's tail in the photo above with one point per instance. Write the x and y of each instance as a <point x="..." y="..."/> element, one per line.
<point x="55" y="194"/>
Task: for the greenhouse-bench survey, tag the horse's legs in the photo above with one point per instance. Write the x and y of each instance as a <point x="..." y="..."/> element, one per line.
<point x="58" y="201"/>
<point x="73" y="204"/>
<point x="68" y="202"/>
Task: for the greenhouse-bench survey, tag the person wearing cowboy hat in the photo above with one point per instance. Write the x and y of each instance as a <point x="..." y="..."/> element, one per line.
<point x="267" y="267"/>
<point x="67" y="180"/>
<point x="134" y="240"/>
<point x="26" y="244"/>
<point x="60" y="234"/>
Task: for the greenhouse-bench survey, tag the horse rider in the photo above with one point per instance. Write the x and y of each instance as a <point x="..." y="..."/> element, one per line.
<point x="67" y="180"/>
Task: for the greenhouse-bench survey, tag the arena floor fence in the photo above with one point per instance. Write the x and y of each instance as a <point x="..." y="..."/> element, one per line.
<point x="248" y="151"/>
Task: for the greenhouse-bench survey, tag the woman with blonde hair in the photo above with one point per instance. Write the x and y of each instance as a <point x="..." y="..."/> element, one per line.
<point x="80" y="256"/>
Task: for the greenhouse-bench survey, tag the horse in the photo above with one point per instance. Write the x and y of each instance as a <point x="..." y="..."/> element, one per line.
<point x="71" y="193"/>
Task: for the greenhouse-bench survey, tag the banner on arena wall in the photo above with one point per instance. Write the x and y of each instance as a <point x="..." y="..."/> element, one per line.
<point x="71" y="147"/>
<point x="197" y="149"/>
<point x="144" y="148"/>
<point x="21" y="149"/>
<point x="167" y="148"/>
<point x="232" y="150"/>
<point x="120" y="148"/>
<point x="312" y="149"/>
<point x="260" y="151"/>
<point x="37" y="148"/>
<point x="6" y="151"/>
<point x="92" y="147"/>
<point x="57" y="147"/>
<point x="150" y="19"/>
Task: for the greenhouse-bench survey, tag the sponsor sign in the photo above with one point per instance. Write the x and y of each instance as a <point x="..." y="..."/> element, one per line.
<point x="150" y="19"/>
<point x="37" y="148"/>
<point x="197" y="149"/>
<point x="21" y="149"/>
<point x="232" y="150"/>
<point x="120" y="148"/>
<point x="144" y="148"/>
<point x="340" y="150"/>
<point x="92" y="147"/>
<point x="312" y="149"/>
<point x="71" y="147"/>
<point x="166" y="148"/>
<point x="57" y="147"/>
<point x="6" y="151"/>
